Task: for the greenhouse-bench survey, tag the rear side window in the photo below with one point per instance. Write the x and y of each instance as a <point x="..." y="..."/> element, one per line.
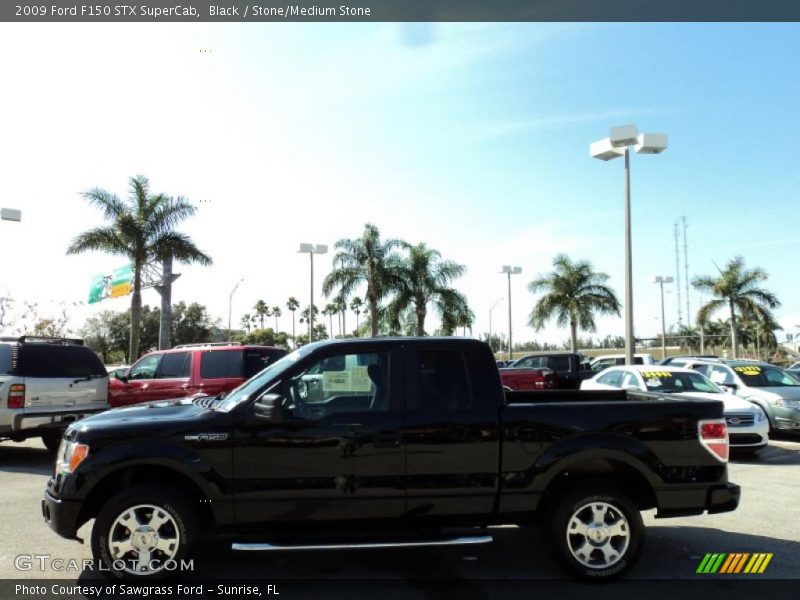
<point x="6" y="351"/>
<point x="612" y="378"/>
<point x="558" y="363"/>
<point x="45" y="360"/>
<point x="258" y="359"/>
<point x="174" y="365"/>
<point x="221" y="364"/>
<point x="442" y="381"/>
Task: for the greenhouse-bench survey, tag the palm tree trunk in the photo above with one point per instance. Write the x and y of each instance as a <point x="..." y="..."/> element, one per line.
<point x="357" y="313"/>
<point x="294" y="338"/>
<point x="330" y="319"/>
<point x="574" y="334"/>
<point x="165" y="323"/>
<point x="734" y="338"/>
<point x="344" y="324"/>
<point x="373" y="311"/>
<point x="136" y="313"/>
<point x="421" y="314"/>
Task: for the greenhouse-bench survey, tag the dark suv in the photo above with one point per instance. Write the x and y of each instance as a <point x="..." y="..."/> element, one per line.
<point x="190" y="370"/>
<point x="45" y="384"/>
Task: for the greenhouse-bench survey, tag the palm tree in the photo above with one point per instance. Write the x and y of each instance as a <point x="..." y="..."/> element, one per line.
<point x="456" y="313"/>
<point x="574" y="291"/>
<point x="341" y="307"/>
<point x="246" y="321"/>
<point x="262" y="311"/>
<point x="424" y="278"/>
<point x="355" y="305"/>
<point x="276" y="312"/>
<point x="330" y="310"/>
<point x="292" y="304"/>
<point x="737" y="289"/>
<point x="143" y="230"/>
<point x="367" y="260"/>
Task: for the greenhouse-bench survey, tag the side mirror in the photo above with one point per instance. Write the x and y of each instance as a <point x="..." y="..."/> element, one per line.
<point x="121" y="376"/>
<point x="269" y="408"/>
<point x="728" y="386"/>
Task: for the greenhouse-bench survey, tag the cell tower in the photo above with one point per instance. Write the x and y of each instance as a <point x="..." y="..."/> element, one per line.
<point x="686" y="271"/>
<point x="678" y="272"/>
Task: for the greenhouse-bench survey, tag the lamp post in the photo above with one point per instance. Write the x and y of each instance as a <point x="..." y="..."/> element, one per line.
<point x="509" y="270"/>
<point x="618" y="144"/>
<point x="311" y="250"/>
<point x="230" y="306"/>
<point x="499" y="300"/>
<point x="661" y="281"/>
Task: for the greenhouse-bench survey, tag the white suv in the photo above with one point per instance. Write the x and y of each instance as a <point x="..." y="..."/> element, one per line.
<point x="45" y="384"/>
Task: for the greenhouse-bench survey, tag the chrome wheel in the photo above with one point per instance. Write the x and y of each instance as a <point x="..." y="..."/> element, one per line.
<point x="598" y="535"/>
<point x="143" y="538"/>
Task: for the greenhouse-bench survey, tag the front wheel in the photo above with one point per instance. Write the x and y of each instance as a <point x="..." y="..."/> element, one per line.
<point x="596" y="534"/>
<point x="143" y="533"/>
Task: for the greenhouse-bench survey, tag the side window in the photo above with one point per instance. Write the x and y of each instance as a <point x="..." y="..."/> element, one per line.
<point x="629" y="381"/>
<point x="558" y="363"/>
<point x="612" y="378"/>
<point x="340" y="384"/>
<point x="531" y="362"/>
<point x="221" y="364"/>
<point x="719" y="375"/>
<point x="442" y="382"/>
<point x="174" y="365"/>
<point x="256" y="360"/>
<point x="145" y="368"/>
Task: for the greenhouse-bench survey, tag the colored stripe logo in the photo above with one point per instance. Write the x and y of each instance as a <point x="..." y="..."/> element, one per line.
<point x="734" y="563"/>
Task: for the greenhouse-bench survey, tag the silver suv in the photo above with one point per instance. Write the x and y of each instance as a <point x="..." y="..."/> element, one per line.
<point x="45" y="384"/>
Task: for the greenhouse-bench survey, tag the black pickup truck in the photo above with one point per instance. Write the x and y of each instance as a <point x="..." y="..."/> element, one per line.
<point x="386" y="441"/>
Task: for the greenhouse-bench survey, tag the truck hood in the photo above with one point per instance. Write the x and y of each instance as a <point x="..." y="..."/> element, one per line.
<point x="163" y="415"/>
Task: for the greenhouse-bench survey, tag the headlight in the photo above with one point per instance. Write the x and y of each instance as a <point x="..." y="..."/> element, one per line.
<point x="795" y="404"/>
<point x="70" y="455"/>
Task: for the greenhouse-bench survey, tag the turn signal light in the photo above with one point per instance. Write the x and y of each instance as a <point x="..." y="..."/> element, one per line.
<point x="16" y="396"/>
<point x="714" y="437"/>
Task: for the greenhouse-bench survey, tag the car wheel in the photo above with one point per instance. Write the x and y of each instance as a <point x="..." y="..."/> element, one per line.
<point x="51" y="440"/>
<point x="143" y="533"/>
<point x="595" y="533"/>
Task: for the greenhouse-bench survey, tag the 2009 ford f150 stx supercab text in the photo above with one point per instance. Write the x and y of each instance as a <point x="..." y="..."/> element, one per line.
<point x="387" y="441"/>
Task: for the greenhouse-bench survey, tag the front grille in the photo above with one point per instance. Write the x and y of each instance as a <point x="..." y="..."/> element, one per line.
<point x="743" y="420"/>
<point x="744" y="439"/>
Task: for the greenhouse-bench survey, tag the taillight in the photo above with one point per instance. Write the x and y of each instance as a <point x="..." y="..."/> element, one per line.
<point x="714" y="436"/>
<point x="538" y="379"/>
<point x="16" y="395"/>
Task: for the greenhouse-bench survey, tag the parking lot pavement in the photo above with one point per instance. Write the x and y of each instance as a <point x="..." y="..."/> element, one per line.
<point x="767" y="520"/>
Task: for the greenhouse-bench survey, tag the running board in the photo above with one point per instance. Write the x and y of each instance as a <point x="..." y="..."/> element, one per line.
<point x="459" y="541"/>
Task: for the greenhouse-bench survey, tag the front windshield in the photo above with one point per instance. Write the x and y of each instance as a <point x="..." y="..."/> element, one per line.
<point x="765" y="376"/>
<point x="672" y="382"/>
<point x="260" y="379"/>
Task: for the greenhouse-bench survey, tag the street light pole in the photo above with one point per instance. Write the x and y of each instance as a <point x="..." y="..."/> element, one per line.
<point x="509" y="270"/>
<point x="312" y="249"/>
<point x="661" y="281"/>
<point x="617" y="144"/>
<point x="490" y="317"/>
<point x="230" y="306"/>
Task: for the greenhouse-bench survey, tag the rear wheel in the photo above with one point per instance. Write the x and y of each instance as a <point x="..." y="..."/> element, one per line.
<point x="143" y="533"/>
<point x="51" y="440"/>
<point x="595" y="533"/>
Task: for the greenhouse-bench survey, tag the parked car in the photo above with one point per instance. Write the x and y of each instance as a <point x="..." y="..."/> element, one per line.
<point x="416" y="436"/>
<point x="522" y="379"/>
<point x="45" y="384"/>
<point x="570" y="369"/>
<point x="774" y="391"/>
<point x="747" y="424"/>
<point x="598" y="363"/>
<point x="794" y="366"/>
<point x="190" y="370"/>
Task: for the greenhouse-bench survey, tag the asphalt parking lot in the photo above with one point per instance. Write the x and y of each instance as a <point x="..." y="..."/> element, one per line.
<point x="767" y="520"/>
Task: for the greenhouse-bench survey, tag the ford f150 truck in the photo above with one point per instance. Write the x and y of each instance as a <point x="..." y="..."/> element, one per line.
<point x="408" y="442"/>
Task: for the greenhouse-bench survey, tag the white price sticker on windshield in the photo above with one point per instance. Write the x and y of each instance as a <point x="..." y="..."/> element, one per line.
<point x="336" y="381"/>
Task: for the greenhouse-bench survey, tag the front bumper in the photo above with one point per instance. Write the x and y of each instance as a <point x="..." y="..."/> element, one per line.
<point x="787" y="418"/>
<point x="61" y="515"/>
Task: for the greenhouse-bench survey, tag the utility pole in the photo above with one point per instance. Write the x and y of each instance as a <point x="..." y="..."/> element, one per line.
<point x="678" y="275"/>
<point x="686" y="270"/>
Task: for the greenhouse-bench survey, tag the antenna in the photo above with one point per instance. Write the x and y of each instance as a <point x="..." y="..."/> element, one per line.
<point x="678" y="273"/>
<point x="686" y="269"/>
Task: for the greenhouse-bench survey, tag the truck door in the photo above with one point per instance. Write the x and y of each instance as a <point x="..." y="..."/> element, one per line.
<point x="338" y="454"/>
<point x="137" y="387"/>
<point x="172" y="377"/>
<point x="451" y="434"/>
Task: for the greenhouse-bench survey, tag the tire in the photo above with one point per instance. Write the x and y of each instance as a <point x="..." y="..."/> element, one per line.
<point x="166" y="528"/>
<point x="51" y="440"/>
<point x="611" y="536"/>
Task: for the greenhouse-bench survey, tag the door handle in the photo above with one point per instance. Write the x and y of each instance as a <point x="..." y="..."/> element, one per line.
<point x="185" y="386"/>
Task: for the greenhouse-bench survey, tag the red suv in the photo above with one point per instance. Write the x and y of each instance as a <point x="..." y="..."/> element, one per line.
<point x="190" y="370"/>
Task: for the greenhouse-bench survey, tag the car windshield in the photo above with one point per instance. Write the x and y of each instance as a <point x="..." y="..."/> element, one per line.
<point x="765" y="376"/>
<point x="672" y="382"/>
<point x="252" y="385"/>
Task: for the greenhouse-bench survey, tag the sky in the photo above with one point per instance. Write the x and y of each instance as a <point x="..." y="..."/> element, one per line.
<point x="473" y="138"/>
